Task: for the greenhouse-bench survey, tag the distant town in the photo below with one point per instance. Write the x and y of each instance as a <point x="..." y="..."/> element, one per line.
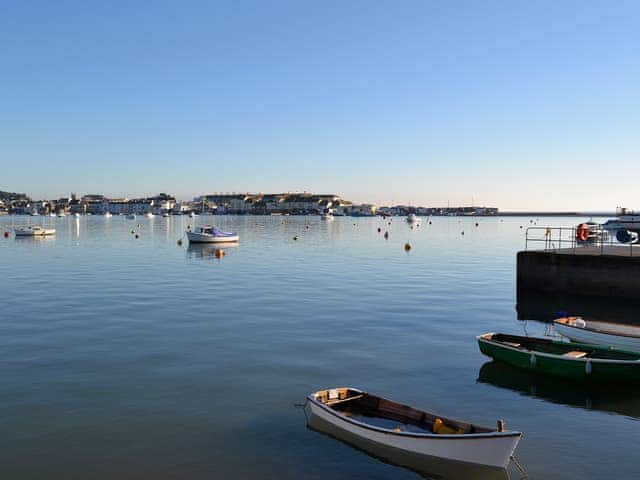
<point x="220" y="204"/>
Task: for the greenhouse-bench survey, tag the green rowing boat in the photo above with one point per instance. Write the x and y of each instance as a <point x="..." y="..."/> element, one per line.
<point x="563" y="359"/>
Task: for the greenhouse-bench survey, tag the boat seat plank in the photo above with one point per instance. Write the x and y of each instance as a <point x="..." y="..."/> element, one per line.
<point x="342" y="400"/>
<point x="575" y="354"/>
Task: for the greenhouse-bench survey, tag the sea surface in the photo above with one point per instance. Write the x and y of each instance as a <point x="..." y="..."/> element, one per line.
<point x="138" y="358"/>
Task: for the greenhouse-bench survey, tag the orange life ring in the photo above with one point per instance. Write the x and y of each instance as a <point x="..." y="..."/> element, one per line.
<point x="582" y="233"/>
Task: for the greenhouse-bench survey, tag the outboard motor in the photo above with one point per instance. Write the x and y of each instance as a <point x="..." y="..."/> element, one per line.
<point x="627" y="236"/>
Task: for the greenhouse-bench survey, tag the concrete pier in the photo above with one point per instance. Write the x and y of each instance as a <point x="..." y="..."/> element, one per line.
<point x="611" y="271"/>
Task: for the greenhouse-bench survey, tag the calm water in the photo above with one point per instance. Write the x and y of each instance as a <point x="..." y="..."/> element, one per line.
<point x="138" y="358"/>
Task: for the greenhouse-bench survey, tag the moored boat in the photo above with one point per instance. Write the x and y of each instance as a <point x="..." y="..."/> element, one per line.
<point x="34" y="231"/>
<point x="578" y="361"/>
<point x="412" y="218"/>
<point x="211" y="234"/>
<point x="610" y="334"/>
<point x="401" y="428"/>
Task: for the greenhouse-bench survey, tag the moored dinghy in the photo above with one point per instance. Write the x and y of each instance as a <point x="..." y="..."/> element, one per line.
<point x="578" y="361"/>
<point x="610" y="334"/>
<point x="400" y="428"/>
<point x="210" y="234"/>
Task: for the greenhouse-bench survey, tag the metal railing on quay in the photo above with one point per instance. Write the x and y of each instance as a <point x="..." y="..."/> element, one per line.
<point x="566" y="239"/>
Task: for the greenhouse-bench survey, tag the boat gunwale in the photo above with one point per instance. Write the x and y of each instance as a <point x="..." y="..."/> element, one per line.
<point x="483" y="338"/>
<point x="436" y="436"/>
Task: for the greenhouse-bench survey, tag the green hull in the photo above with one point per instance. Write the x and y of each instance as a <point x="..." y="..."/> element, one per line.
<point x="585" y="369"/>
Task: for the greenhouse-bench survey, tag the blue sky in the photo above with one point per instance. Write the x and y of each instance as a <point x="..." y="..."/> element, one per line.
<point x="513" y="104"/>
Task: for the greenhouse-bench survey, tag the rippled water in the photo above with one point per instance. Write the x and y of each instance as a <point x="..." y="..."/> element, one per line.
<point x="138" y="358"/>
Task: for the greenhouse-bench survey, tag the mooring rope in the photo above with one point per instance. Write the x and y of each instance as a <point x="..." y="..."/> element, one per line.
<point x="519" y="467"/>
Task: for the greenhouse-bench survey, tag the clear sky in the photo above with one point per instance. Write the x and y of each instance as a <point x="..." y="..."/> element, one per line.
<point x="515" y="104"/>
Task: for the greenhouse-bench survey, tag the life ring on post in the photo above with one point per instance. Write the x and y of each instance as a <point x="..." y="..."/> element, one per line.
<point x="582" y="233"/>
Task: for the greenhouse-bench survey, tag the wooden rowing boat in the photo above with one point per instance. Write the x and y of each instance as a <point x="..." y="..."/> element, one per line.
<point x="400" y="428"/>
<point x="616" y="335"/>
<point x="564" y="359"/>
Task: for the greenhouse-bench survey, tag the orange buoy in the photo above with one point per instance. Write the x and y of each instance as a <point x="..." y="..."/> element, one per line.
<point x="219" y="253"/>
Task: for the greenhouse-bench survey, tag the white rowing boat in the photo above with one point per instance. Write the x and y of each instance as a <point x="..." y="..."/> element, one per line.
<point x="391" y="425"/>
<point x="211" y="234"/>
<point x="609" y="334"/>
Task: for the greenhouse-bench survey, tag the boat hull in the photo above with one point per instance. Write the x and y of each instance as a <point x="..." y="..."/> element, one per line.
<point x="37" y="233"/>
<point x="584" y="369"/>
<point x="427" y="466"/>
<point x="585" y="335"/>
<point x="490" y="450"/>
<point x="200" y="238"/>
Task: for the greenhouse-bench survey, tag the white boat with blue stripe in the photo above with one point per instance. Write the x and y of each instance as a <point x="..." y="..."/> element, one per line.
<point x="211" y="234"/>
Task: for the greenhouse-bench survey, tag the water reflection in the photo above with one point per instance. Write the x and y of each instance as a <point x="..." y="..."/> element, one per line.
<point x="427" y="467"/>
<point x="623" y="400"/>
<point x="206" y="251"/>
<point x="539" y="306"/>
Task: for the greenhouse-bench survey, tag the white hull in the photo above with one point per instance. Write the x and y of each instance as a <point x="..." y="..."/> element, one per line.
<point x="34" y="232"/>
<point x="493" y="449"/>
<point x="622" y="337"/>
<point x="205" y="238"/>
<point x="326" y="217"/>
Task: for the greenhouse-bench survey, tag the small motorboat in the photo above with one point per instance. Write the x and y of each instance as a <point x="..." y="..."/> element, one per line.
<point x="165" y="215"/>
<point x="412" y="218"/>
<point x="192" y="214"/>
<point x="211" y="234"/>
<point x="578" y="361"/>
<point x="610" y="334"/>
<point x="327" y="214"/>
<point x="387" y="424"/>
<point x="34" y="231"/>
<point x="149" y="215"/>
<point x="61" y="214"/>
<point x="77" y="215"/>
<point x="131" y="216"/>
<point x="107" y="215"/>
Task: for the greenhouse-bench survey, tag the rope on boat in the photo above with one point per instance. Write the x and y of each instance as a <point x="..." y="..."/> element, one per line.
<point x="520" y="468"/>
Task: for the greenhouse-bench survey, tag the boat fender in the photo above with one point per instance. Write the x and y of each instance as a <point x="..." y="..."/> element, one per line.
<point x="533" y="360"/>
<point x="588" y="368"/>
<point x="579" y="322"/>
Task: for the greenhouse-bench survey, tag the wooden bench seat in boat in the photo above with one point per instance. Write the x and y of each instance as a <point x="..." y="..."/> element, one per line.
<point x="575" y="354"/>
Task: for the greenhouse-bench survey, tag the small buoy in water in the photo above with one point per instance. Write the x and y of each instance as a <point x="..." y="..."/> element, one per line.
<point x="179" y="242"/>
<point x="308" y="227"/>
<point x="386" y="235"/>
<point x="430" y="222"/>
<point x="219" y="253"/>
<point x="379" y="229"/>
<point x="407" y="247"/>
<point x="462" y="233"/>
<point x="520" y="226"/>
<point x="137" y="236"/>
<point x="295" y="237"/>
<point x="6" y="234"/>
<point x="477" y="224"/>
<point x="133" y="232"/>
